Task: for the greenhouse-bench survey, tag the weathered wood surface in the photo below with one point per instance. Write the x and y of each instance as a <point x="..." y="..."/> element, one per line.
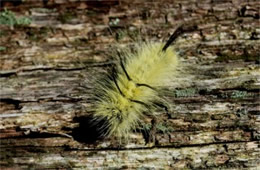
<point x="48" y="70"/>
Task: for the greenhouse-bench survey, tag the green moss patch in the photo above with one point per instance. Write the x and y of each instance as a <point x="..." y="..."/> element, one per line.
<point x="8" y="18"/>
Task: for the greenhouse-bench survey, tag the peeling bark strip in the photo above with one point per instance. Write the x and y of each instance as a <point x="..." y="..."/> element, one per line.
<point x="48" y="69"/>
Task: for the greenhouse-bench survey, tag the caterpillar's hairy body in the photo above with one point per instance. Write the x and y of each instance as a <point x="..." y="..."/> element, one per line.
<point x="131" y="89"/>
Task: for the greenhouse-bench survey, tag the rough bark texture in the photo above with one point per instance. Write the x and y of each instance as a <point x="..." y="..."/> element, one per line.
<point x="48" y="69"/>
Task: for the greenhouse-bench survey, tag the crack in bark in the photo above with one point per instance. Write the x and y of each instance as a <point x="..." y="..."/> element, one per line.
<point x="15" y="72"/>
<point x="18" y="102"/>
<point x="67" y="148"/>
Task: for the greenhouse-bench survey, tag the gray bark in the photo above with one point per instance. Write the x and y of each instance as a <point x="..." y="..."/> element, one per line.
<point x="48" y="70"/>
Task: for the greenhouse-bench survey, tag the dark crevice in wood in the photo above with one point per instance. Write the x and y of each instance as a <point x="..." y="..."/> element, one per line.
<point x="7" y="74"/>
<point x="16" y="103"/>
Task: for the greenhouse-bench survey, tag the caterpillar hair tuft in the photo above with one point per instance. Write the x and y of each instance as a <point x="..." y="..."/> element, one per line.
<point x="131" y="89"/>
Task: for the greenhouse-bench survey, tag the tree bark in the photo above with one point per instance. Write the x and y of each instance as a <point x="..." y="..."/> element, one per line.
<point x="48" y="69"/>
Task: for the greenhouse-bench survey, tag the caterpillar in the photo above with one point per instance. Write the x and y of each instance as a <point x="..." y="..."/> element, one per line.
<point x="131" y="89"/>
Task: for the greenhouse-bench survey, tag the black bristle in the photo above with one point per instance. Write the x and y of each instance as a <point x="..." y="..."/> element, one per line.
<point x="180" y="30"/>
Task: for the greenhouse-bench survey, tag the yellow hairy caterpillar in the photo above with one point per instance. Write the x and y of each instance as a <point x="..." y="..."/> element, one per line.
<point x="131" y="88"/>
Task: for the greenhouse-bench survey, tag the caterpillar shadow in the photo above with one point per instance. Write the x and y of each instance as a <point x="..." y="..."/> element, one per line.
<point x="88" y="131"/>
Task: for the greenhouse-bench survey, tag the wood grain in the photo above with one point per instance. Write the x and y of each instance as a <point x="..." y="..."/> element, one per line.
<point x="49" y="67"/>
